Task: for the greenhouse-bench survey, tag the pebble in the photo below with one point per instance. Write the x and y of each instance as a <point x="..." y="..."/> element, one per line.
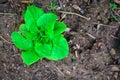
<point x="68" y="30"/>
<point x="115" y="68"/>
<point x="76" y="7"/>
<point x="74" y="67"/>
<point x="113" y="52"/>
<point x="68" y="72"/>
<point x="116" y="75"/>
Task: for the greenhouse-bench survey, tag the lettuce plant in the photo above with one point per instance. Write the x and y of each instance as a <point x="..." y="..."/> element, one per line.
<point x="40" y="36"/>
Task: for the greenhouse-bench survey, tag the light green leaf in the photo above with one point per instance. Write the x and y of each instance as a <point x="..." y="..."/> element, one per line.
<point x="21" y="42"/>
<point x="43" y="50"/>
<point x="34" y="29"/>
<point x="60" y="49"/>
<point x="31" y="15"/>
<point x="113" y="6"/>
<point x="30" y="57"/>
<point x="35" y="11"/>
<point x="46" y="22"/>
<point x="26" y="33"/>
<point x="59" y="27"/>
<point x="22" y="28"/>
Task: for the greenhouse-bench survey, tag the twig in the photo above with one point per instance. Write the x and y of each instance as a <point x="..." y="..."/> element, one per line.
<point x="63" y="17"/>
<point x="7" y="13"/>
<point x="27" y="1"/>
<point x="59" y="70"/>
<point x="91" y="36"/>
<point x="76" y="54"/>
<point x="5" y="40"/>
<point x="114" y="37"/>
<point x="16" y="55"/>
<point x="61" y="4"/>
<point x="75" y="14"/>
<point x="100" y="24"/>
<point x="116" y="13"/>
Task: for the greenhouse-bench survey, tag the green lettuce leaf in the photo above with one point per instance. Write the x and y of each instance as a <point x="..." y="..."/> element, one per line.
<point x="60" y="49"/>
<point x="30" y="57"/>
<point x="21" y="42"/>
<point x="59" y="28"/>
<point x="46" y="23"/>
<point x="34" y="29"/>
<point x="22" y="28"/>
<point x="26" y="33"/>
<point x="31" y="16"/>
<point x="43" y="50"/>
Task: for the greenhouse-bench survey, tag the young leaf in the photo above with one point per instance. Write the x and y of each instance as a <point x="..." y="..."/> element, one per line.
<point x="113" y="6"/>
<point x="21" y="42"/>
<point x="43" y="50"/>
<point x="35" y="11"/>
<point x="34" y="29"/>
<point x="31" y="15"/>
<point x="46" y="22"/>
<point x="22" y="28"/>
<point x="30" y="57"/>
<point x="59" y="27"/>
<point x="26" y="33"/>
<point x="60" y="49"/>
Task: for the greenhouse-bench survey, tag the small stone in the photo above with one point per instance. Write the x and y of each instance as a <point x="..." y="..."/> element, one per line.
<point x="68" y="72"/>
<point x="113" y="52"/>
<point x="78" y="46"/>
<point x="74" y="67"/>
<point x="76" y="7"/>
<point x="68" y="30"/>
<point x="115" y="68"/>
<point x="115" y="75"/>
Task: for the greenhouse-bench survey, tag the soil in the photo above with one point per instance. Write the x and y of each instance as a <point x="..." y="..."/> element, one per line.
<point x="94" y="43"/>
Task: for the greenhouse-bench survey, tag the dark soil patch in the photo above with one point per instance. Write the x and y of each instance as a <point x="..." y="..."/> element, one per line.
<point x="94" y="44"/>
